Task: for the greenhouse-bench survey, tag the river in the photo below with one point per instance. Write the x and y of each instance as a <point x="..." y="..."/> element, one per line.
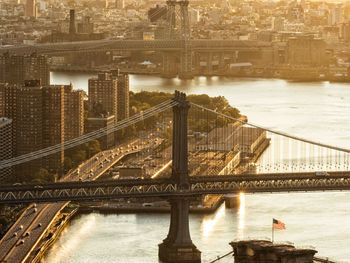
<point x="318" y="111"/>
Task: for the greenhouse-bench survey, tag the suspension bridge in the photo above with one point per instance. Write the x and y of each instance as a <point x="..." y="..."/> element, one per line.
<point x="199" y="151"/>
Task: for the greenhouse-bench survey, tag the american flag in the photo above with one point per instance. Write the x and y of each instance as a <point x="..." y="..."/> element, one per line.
<point x="277" y="224"/>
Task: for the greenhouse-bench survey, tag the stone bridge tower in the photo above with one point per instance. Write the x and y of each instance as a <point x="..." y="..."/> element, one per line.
<point x="178" y="246"/>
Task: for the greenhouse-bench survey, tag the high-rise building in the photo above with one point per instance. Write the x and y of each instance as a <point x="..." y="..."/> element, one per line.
<point x="42" y="116"/>
<point x="108" y="96"/>
<point x="8" y="97"/>
<point x="53" y="124"/>
<point x="123" y="94"/>
<point x="30" y="8"/>
<point x="103" y="95"/>
<point x="5" y="146"/>
<point x="73" y="113"/>
<point x="14" y="69"/>
<point x="29" y="122"/>
<point x="72" y="29"/>
<point x="37" y="67"/>
<point x="119" y="4"/>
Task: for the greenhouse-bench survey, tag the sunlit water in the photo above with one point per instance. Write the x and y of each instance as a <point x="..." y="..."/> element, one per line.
<point x="319" y="111"/>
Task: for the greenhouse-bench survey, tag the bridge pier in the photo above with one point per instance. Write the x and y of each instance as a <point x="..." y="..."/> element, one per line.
<point x="177" y="246"/>
<point x="169" y="65"/>
<point x="185" y="76"/>
<point x="232" y="200"/>
<point x="186" y="65"/>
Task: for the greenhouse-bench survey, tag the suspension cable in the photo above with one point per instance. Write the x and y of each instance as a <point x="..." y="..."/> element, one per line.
<point x="89" y="136"/>
<point x="275" y="132"/>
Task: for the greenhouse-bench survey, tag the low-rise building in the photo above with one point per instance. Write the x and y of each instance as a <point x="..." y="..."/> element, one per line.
<point x="105" y="122"/>
<point x="259" y="251"/>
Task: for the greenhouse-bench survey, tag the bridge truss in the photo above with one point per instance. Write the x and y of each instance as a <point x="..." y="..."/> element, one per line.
<point x="138" y="188"/>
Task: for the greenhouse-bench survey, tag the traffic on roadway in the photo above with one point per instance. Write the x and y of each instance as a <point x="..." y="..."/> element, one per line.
<point x="21" y="239"/>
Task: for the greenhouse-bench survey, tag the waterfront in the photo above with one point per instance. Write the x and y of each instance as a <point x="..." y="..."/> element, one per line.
<point x="272" y="103"/>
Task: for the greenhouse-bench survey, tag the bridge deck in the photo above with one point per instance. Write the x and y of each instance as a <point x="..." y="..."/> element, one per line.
<point x="141" y="188"/>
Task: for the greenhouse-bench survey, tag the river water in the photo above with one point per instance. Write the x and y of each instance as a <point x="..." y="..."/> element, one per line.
<point x="318" y="111"/>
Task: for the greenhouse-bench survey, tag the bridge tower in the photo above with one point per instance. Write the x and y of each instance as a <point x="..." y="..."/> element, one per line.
<point x="178" y="246"/>
<point x="186" y="53"/>
<point x="178" y="29"/>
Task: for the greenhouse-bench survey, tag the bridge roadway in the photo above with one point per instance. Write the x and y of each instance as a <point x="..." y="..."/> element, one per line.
<point x="134" y="45"/>
<point x="12" y="249"/>
<point x="198" y="185"/>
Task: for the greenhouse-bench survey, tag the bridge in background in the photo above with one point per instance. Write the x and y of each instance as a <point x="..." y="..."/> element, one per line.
<point x="181" y="55"/>
<point x="105" y="45"/>
<point x="223" y="155"/>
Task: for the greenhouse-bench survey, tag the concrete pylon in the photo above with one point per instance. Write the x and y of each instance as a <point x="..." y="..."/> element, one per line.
<point x="178" y="246"/>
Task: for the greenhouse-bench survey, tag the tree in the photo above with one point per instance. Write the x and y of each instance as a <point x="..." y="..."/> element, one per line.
<point x="78" y="156"/>
<point x="98" y="109"/>
<point x="68" y="164"/>
<point x="93" y="147"/>
<point x="233" y="112"/>
<point x="3" y="223"/>
<point x="43" y="176"/>
<point x="203" y="100"/>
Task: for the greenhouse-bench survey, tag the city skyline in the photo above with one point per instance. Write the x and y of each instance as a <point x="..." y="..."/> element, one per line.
<point x="174" y="131"/>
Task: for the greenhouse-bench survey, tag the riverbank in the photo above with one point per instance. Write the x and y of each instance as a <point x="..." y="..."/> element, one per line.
<point x="51" y="234"/>
<point x="210" y="206"/>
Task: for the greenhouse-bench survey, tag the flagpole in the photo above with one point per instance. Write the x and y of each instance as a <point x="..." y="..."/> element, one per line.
<point x="272" y="232"/>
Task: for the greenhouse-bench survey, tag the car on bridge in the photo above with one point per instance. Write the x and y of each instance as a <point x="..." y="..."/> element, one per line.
<point x="321" y="173"/>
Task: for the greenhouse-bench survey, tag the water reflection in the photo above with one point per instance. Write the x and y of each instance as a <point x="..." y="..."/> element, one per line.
<point x="80" y="232"/>
<point x="209" y="221"/>
<point x="241" y="216"/>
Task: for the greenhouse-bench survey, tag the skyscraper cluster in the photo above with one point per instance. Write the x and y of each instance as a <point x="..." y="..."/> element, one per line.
<point x="42" y="115"/>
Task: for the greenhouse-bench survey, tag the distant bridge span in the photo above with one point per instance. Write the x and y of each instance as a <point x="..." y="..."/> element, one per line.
<point x="134" y="45"/>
